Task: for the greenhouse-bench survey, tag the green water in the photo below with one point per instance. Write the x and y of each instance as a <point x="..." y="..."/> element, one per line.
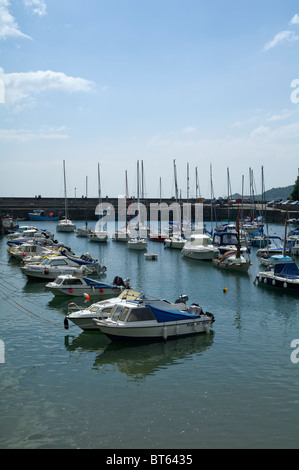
<point x="234" y="388"/>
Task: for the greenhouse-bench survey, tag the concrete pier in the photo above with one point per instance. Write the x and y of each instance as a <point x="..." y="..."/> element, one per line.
<point x="85" y="208"/>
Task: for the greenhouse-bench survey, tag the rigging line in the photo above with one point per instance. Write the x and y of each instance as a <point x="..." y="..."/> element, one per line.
<point x="24" y="309"/>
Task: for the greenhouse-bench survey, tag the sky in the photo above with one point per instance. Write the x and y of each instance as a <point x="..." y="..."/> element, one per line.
<point x="213" y="85"/>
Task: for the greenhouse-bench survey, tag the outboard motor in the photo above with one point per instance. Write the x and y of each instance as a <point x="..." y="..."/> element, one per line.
<point x="182" y="299"/>
<point x="118" y="281"/>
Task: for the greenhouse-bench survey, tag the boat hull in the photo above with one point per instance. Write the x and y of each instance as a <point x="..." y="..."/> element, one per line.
<point x="199" y="255"/>
<point x="42" y="218"/>
<point x="158" y="332"/>
<point x="277" y="282"/>
<point x="99" y="292"/>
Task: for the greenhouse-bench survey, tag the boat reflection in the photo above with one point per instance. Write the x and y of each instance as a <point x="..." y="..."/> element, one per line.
<point x="138" y="361"/>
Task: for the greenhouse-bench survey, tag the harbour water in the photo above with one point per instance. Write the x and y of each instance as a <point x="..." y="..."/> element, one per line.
<point x="237" y="387"/>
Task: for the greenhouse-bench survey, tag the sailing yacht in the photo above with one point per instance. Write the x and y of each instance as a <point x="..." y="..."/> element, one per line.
<point x="99" y="234"/>
<point x="65" y="225"/>
<point x="137" y="243"/>
<point x="122" y="234"/>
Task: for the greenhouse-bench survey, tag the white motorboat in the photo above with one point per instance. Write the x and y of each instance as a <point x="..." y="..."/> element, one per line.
<point x="83" y="317"/>
<point x="231" y="260"/>
<point x="77" y="285"/>
<point x="148" y="322"/>
<point x="52" y="267"/>
<point x="282" y="275"/>
<point x="200" y="247"/>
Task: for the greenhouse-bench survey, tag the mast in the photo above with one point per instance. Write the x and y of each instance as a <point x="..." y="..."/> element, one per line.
<point x="175" y="182"/>
<point x="187" y="182"/>
<point x="65" y="199"/>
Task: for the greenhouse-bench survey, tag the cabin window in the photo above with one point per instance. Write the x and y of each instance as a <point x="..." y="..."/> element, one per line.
<point x="124" y="314"/>
<point x="140" y="314"/>
<point x="58" y="262"/>
<point x="116" y="312"/>
<point x="72" y="282"/>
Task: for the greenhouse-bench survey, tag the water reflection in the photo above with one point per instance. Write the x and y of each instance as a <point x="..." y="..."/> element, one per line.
<point x="136" y="360"/>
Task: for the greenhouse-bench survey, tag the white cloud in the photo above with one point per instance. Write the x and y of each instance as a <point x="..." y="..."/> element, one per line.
<point x="21" y="87"/>
<point x="8" y="25"/>
<point x="26" y="135"/>
<point x="38" y="6"/>
<point x="285" y="114"/>
<point x="281" y="38"/>
<point x="295" y="19"/>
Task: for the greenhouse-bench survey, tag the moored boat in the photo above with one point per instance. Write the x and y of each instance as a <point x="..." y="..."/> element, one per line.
<point x="147" y="322"/>
<point x="280" y="276"/>
<point x="232" y="261"/>
<point x="200" y="247"/>
<point x="39" y="214"/>
<point x="79" y="285"/>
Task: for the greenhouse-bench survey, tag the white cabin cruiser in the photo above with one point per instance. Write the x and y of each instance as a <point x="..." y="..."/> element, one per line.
<point x="83" y="317"/>
<point x="200" y="247"/>
<point x="146" y="321"/>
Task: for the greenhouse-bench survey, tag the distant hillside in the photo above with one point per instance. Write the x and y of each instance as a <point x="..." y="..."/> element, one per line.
<point x="271" y="194"/>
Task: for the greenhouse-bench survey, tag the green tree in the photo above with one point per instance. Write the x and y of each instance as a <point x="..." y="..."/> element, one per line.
<point x="295" y="193"/>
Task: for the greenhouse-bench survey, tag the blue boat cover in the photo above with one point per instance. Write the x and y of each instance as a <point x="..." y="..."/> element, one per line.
<point x="163" y="316"/>
<point x="288" y="270"/>
<point x="98" y="284"/>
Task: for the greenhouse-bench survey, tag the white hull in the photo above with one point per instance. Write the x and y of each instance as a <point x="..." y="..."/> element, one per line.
<point x="80" y="291"/>
<point x="100" y="237"/>
<point x="65" y="226"/>
<point x="121" y="236"/>
<point x="159" y="331"/>
<point x="176" y="244"/>
<point x="137" y="244"/>
<point x="200" y="254"/>
<point x="35" y="272"/>
<point x="83" y="231"/>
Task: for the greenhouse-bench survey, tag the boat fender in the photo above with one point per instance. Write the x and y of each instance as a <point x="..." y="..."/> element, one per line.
<point x="66" y="323"/>
<point x="46" y="271"/>
<point x="71" y="291"/>
<point x="285" y="285"/>
<point x="165" y="332"/>
<point x="273" y="282"/>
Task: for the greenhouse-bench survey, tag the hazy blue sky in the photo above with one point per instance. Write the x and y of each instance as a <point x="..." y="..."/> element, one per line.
<point x="115" y="81"/>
